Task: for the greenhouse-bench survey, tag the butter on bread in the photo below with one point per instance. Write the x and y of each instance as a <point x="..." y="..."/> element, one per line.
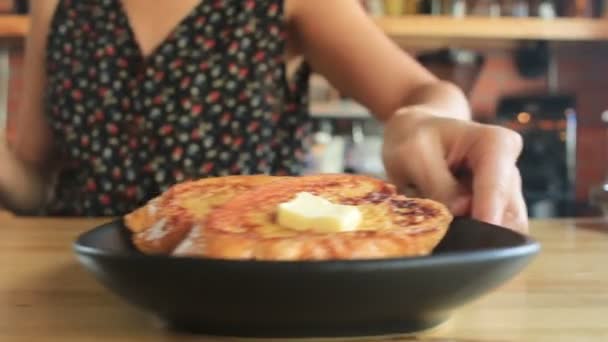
<point x="307" y="212"/>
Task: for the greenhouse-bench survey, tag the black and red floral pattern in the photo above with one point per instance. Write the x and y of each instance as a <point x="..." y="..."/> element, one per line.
<point x="212" y="99"/>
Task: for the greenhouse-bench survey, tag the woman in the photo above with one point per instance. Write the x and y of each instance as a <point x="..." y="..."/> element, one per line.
<point x="125" y="97"/>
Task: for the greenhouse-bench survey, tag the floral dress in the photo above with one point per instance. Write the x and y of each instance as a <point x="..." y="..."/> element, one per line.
<point x="212" y="99"/>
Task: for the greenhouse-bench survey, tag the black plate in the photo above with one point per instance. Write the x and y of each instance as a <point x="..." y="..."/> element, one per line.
<point x="312" y="298"/>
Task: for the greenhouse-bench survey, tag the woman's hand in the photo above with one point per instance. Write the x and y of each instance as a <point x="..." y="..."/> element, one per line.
<point x="468" y="166"/>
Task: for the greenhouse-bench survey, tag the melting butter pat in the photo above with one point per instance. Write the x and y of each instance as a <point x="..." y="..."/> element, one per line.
<point x="307" y="212"/>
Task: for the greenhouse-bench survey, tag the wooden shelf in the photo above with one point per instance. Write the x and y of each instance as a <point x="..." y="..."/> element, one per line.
<point x="437" y="27"/>
<point x="13" y="25"/>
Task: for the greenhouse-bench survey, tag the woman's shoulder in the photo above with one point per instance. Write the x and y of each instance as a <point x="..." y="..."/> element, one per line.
<point x="43" y="10"/>
<point x="41" y="14"/>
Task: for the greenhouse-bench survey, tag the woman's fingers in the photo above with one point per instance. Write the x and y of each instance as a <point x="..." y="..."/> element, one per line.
<point x="491" y="189"/>
<point x="492" y="160"/>
<point x="430" y="172"/>
<point x="420" y="162"/>
<point x="516" y="213"/>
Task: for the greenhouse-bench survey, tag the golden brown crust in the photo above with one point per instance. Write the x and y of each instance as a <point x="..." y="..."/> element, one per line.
<point x="160" y="225"/>
<point x="392" y="226"/>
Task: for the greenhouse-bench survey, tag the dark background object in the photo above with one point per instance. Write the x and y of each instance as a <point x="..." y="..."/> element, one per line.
<point x="22" y="6"/>
<point x="546" y="162"/>
<point x="532" y="59"/>
<point x="309" y="298"/>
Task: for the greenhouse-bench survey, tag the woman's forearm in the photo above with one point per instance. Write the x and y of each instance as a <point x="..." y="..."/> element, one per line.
<point x="438" y="98"/>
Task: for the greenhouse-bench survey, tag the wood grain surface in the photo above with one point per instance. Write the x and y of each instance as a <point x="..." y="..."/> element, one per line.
<point x="46" y="296"/>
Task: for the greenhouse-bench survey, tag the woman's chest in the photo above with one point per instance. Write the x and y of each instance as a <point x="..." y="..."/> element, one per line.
<point x="205" y="67"/>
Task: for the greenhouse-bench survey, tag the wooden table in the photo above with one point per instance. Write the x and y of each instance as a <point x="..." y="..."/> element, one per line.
<point x="46" y="296"/>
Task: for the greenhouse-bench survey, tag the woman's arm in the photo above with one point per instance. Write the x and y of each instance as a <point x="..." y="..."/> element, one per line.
<point x="429" y="141"/>
<point x="342" y="43"/>
<point x="25" y="160"/>
<point x="23" y="187"/>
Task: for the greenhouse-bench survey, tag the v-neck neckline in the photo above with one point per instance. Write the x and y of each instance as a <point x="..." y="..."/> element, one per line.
<point x="166" y="40"/>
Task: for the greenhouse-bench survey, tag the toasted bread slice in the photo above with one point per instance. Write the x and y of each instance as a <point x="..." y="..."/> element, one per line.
<point x="160" y="225"/>
<point x="392" y="225"/>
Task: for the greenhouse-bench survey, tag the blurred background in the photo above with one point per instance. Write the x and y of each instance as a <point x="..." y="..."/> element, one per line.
<point x="539" y="67"/>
